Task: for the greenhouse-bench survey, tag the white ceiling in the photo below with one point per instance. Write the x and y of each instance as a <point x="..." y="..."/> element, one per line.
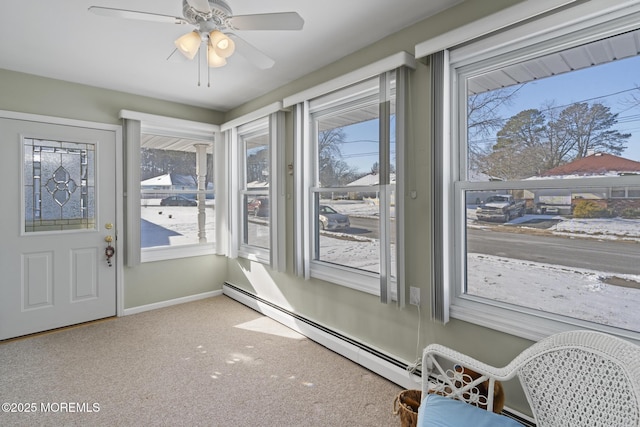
<point x="60" y="39"/>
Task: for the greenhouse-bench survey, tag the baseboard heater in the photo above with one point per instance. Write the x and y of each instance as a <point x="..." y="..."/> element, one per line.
<point x="382" y="364"/>
<point x="386" y="366"/>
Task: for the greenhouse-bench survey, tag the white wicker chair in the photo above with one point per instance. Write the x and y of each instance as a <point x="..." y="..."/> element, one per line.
<point x="577" y="378"/>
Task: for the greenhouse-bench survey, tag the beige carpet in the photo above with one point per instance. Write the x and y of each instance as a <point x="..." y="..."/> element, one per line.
<point x="212" y="362"/>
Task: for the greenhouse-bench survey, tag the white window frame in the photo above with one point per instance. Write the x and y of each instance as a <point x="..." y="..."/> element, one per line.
<point x="588" y="22"/>
<point x="275" y="256"/>
<point x="137" y="123"/>
<point x="304" y="171"/>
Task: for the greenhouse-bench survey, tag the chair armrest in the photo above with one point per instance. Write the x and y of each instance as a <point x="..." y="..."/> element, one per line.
<point x="464" y="378"/>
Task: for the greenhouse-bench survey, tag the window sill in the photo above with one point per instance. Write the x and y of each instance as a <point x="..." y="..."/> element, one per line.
<point x="255" y="254"/>
<point x="166" y="253"/>
<point x="360" y="281"/>
<point x="525" y="323"/>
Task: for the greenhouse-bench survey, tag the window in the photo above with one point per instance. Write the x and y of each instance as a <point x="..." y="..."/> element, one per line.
<point x="170" y="188"/>
<point x="355" y="139"/>
<point x="254" y="146"/>
<point x="177" y="193"/>
<point x="257" y="158"/>
<point x="544" y="188"/>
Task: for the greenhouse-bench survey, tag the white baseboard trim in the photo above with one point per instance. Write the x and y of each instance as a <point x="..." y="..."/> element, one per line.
<point x="384" y="365"/>
<point x="168" y="303"/>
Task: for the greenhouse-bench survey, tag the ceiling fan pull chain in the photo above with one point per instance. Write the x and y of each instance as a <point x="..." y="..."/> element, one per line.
<point x="199" y="67"/>
<point x="208" y="68"/>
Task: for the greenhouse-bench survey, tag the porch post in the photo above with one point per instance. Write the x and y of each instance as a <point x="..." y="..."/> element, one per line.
<point x="201" y="175"/>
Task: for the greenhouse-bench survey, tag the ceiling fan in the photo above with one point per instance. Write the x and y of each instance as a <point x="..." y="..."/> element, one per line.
<point x="215" y="24"/>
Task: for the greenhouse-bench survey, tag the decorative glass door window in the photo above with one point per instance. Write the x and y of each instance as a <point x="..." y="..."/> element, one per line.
<point x="59" y="185"/>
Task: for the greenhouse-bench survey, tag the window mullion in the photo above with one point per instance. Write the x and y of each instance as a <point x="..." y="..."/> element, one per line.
<point x="132" y="197"/>
<point x="234" y="210"/>
<point x="440" y="195"/>
<point x="384" y="165"/>
<point x="277" y="192"/>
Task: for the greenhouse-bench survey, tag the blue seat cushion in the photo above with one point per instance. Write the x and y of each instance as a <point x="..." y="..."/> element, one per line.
<point x="439" y="411"/>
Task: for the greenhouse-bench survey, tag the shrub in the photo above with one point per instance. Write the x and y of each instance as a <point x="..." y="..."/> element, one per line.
<point x="590" y="209"/>
<point x="629" y="213"/>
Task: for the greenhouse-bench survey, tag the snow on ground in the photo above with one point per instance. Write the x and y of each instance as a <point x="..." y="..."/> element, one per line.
<point x="615" y="228"/>
<point x="578" y="293"/>
<point x="558" y="289"/>
<point x="173" y="225"/>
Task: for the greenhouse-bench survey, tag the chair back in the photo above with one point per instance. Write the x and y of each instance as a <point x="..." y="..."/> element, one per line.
<point x="581" y="378"/>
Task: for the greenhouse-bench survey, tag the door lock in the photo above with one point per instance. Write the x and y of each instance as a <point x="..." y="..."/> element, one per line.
<point x="110" y="250"/>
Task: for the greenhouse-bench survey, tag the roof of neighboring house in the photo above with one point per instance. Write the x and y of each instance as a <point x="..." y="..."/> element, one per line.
<point x="371" y="179"/>
<point x="596" y="164"/>
<point x="169" y="179"/>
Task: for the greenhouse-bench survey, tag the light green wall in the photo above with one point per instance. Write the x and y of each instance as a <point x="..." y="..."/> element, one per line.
<point x="355" y="313"/>
<point x="150" y="282"/>
<point x="159" y="281"/>
<point x="27" y="93"/>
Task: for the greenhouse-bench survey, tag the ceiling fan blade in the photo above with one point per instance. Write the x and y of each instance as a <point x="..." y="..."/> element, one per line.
<point x="132" y="14"/>
<point x="268" y="21"/>
<point x="200" y="5"/>
<point x="252" y="53"/>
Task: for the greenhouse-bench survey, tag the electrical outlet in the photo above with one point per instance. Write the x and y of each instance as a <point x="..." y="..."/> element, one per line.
<point x="414" y="295"/>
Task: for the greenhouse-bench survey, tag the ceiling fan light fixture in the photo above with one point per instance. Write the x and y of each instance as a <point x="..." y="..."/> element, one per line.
<point x="189" y="44"/>
<point x="213" y="59"/>
<point x="221" y="43"/>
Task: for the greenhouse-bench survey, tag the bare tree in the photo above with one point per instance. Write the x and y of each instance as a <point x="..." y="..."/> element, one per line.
<point x="483" y="119"/>
<point x="258" y="165"/>
<point x="633" y="100"/>
<point x="333" y="171"/>
<point x="558" y="141"/>
<point x="156" y="162"/>
<point x="589" y="129"/>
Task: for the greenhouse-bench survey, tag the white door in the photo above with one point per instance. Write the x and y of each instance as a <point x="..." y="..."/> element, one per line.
<point x="58" y="206"/>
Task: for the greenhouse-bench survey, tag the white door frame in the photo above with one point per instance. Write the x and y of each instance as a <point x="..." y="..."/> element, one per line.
<point x="117" y="129"/>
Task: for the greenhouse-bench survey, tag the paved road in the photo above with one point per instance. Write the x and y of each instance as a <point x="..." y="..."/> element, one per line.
<point x="607" y="256"/>
<point x="367" y="227"/>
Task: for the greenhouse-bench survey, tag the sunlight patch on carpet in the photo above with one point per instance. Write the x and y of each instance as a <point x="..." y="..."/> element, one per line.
<point x="269" y="326"/>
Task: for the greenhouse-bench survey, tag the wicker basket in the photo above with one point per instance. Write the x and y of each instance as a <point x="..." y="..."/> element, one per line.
<point x="406" y="404"/>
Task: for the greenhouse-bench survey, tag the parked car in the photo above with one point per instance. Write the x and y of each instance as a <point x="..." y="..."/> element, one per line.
<point x="330" y="219"/>
<point x="177" y="201"/>
<point x="258" y="206"/>
<point x="501" y="207"/>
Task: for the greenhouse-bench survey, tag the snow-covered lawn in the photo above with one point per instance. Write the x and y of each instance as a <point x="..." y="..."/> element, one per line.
<point x="574" y="292"/>
<point x="579" y="293"/>
<point x="614" y="228"/>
